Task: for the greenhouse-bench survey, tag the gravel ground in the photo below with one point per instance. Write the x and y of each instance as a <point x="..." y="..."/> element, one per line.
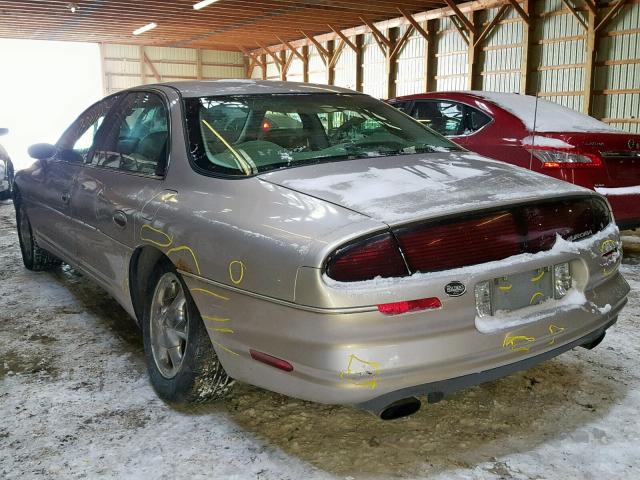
<point x="75" y="403"/>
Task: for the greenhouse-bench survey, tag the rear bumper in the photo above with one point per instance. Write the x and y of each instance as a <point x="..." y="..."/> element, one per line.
<point x="625" y="203"/>
<point x="437" y="390"/>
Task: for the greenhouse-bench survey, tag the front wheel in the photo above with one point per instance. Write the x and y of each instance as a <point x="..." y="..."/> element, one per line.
<point x="33" y="257"/>
<point x="182" y="364"/>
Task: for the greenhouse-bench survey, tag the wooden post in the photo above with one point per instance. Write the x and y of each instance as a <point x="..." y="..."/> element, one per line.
<point x="431" y="61"/>
<point x="331" y="71"/>
<point x="199" y="64"/>
<point x="473" y="60"/>
<point x="526" y="64"/>
<point x="359" y="62"/>
<point x="263" y="58"/>
<point x="305" y="64"/>
<point x="284" y="64"/>
<point x="589" y="70"/>
<point x="391" y="64"/>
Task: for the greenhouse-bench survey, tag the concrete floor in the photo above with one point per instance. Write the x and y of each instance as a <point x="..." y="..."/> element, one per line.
<point x="75" y="403"/>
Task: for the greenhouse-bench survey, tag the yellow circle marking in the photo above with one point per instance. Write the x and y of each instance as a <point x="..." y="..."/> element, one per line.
<point x="236" y="272"/>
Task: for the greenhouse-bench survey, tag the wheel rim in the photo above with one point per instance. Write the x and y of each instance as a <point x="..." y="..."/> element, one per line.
<point x="168" y="326"/>
<point x="25" y="236"/>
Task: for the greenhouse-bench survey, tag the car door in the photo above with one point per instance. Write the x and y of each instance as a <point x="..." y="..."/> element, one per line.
<point x="124" y="172"/>
<point x="50" y="187"/>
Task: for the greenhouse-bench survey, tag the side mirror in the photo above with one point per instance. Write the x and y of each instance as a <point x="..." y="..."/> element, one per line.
<point x="42" y="151"/>
<point x="3" y="131"/>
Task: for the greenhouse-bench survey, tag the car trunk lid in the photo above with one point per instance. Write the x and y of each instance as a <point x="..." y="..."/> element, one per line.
<point x="398" y="189"/>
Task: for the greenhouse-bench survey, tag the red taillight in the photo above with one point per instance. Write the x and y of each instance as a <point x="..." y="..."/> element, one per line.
<point x="271" y="360"/>
<point x="566" y="158"/>
<point x="377" y="256"/>
<point x="458" y="243"/>
<point x="397" y="308"/>
<point x="481" y="238"/>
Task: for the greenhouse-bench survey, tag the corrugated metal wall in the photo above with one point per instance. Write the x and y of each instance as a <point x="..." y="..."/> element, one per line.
<point x="617" y="74"/>
<point x="124" y="66"/>
<point x="501" y="53"/>
<point x="451" y="54"/>
<point x="411" y="65"/>
<point x="373" y="68"/>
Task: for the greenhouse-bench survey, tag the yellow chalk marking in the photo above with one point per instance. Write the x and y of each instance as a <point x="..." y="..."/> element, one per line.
<point x="372" y="383"/>
<point x="222" y="330"/>
<point x="244" y="166"/>
<point x="226" y="349"/>
<point x="212" y="318"/>
<point x="535" y="296"/>
<point x="188" y="249"/>
<point x="160" y="232"/>
<point x="236" y="274"/>
<point x="538" y="277"/>
<point x="554" y="330"/>
<point x="513" y="340"/>
<point x="606" y="243"/>
<point x="209" y="292"/>
<point x="505" y="288"/>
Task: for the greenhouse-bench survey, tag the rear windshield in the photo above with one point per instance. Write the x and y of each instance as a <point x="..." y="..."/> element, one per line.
<point x="249" y="134"/>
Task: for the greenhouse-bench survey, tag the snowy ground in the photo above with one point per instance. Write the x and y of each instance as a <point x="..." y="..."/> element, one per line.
<point x="75" y="403"/>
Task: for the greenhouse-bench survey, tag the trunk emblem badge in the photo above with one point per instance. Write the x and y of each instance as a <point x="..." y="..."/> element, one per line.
<point x="455" y="289"/>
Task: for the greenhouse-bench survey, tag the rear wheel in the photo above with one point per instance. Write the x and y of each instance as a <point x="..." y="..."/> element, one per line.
<point x="33" y="257"/>
<point x="181" y="361"/>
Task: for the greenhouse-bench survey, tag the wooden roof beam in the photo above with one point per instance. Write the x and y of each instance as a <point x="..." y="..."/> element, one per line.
<point x="293" y="50"/>
<point x="615" y="8"/>
<point x="461" y="16"/>
<point x="461" y="29"/>
<point x="324" y="53"/>
<point x="413" y="23"/>
<point x="524" y="15"/>
<point x="489" y="28"/>
<point x="383" y="42"/>
<point x="575" y="13"/>
<point x="277" y="60"/>
<point x="344" y="38"/>
<point x="401" y="42"/>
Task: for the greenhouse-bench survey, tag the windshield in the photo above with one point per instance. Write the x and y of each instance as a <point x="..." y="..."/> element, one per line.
<point x="249" y="134"/>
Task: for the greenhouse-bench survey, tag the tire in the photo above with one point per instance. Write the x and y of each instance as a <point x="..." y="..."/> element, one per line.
<point x="189" y="371"/>
<point x="33" y="257"/>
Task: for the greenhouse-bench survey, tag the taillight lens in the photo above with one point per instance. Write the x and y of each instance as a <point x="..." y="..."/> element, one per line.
<point x="457" y="243"/>
<point x="566" y="158"/>
<point x="486" y="237"/>
<point x="397" y="308"/>
<point x="377" y="256"/>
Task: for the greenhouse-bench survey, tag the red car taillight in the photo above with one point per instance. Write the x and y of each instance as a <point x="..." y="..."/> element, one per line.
<point x="468" y="240"/>
<point x="377" y="256"/>
<point x="397" y="308"/>
<point x="457" y="243"/>
<point x="574" y="158"/>
<point x="481" y="238"/>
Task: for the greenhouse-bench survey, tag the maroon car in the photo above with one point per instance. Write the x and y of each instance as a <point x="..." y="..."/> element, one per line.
<point x="550" y="139"/>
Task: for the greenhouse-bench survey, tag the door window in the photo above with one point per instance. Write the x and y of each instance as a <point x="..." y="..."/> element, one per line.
<point x="77" y="140"/>
<point x="451" y="119"/>
<point x="135" y="136"/>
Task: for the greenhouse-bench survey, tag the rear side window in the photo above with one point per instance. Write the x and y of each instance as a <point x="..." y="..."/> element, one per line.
<point x="450" y="119"/>
<point x="77" y="140"/>
<point x="136" y="135"/>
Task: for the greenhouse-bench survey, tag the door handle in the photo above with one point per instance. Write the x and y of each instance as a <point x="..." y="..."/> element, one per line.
<point x="66" y="197"/>
<point x="120" y="218"/>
